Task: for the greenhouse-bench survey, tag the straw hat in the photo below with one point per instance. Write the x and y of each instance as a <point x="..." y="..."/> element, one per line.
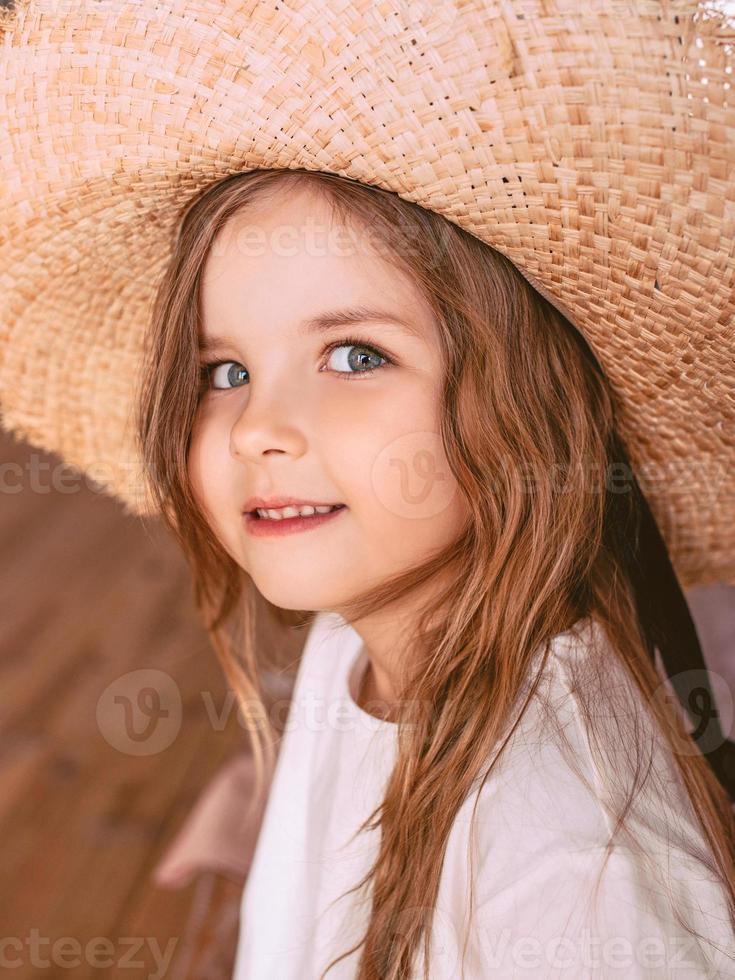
<point x="592" y="144"/>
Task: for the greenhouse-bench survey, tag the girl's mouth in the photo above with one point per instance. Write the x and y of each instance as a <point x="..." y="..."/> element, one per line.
<point x="273" y="527"/>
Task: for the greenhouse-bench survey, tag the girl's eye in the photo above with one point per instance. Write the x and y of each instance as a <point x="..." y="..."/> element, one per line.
<point x="360" y="359"/>
<point x="223" y="375"/>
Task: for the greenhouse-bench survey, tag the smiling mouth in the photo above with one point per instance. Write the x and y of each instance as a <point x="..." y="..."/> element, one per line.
<point x="283" y="527"/>
<point x="255" y="516"/>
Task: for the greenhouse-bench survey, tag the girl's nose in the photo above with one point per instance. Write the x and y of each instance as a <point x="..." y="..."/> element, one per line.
<point x="263" y="428"/>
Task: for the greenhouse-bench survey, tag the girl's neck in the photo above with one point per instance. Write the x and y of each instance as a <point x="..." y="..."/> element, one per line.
<point x="367" y="694"/>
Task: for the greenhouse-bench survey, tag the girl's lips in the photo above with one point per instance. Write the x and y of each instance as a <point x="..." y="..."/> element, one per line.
<point x="264" y="527"/>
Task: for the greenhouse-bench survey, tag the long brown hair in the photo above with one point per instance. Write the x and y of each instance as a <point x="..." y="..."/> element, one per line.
<point x="523" y="396"/>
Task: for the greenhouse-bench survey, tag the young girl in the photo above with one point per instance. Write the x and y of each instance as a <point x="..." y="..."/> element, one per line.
<point x="483" y="771"/>
<point x="364" y="421"/>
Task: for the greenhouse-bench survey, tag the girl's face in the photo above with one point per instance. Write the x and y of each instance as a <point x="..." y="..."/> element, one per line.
<point x="292" y="410"/>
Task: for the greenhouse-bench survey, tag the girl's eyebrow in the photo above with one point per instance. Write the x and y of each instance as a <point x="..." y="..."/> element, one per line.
<point x="328" y="321"/>
<point x="355" y="314"/>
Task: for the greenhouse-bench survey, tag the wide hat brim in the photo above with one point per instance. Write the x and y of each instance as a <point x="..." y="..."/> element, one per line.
<point x="592" y="144"/>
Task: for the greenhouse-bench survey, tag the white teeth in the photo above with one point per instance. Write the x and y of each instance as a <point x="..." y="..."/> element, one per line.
<point x="305" y="511"/>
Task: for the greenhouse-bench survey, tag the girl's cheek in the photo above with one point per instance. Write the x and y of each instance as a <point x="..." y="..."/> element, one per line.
<point x="202" y="468"/>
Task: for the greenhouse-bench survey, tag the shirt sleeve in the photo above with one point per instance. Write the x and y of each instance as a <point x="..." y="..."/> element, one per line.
<point x="555" y="921"/>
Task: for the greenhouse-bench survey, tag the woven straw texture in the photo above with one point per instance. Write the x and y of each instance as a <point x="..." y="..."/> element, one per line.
<point x="591" y="143"/>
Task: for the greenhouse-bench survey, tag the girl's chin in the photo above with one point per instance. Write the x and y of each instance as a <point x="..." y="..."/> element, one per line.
<point x="301" y="598"/>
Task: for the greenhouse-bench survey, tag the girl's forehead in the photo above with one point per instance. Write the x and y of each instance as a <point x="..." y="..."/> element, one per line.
<point x="282" y="266"/>
<point x="295" y="257"/>
<point x="304" y="223"/>
<point x="311" y="301"/>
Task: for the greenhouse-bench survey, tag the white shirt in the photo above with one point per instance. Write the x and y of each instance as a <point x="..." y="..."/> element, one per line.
<point x="539" y="841"/>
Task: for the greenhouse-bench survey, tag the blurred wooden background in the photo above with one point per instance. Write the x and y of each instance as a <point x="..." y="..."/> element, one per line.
<point x="90" y="595"/>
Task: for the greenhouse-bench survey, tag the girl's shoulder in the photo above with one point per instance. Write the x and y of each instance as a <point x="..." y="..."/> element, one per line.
<point x="585" y="748"/>
<point x="588" y="743"/>
<point x="540" y="827"/>
<point x="586" y="752"/>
